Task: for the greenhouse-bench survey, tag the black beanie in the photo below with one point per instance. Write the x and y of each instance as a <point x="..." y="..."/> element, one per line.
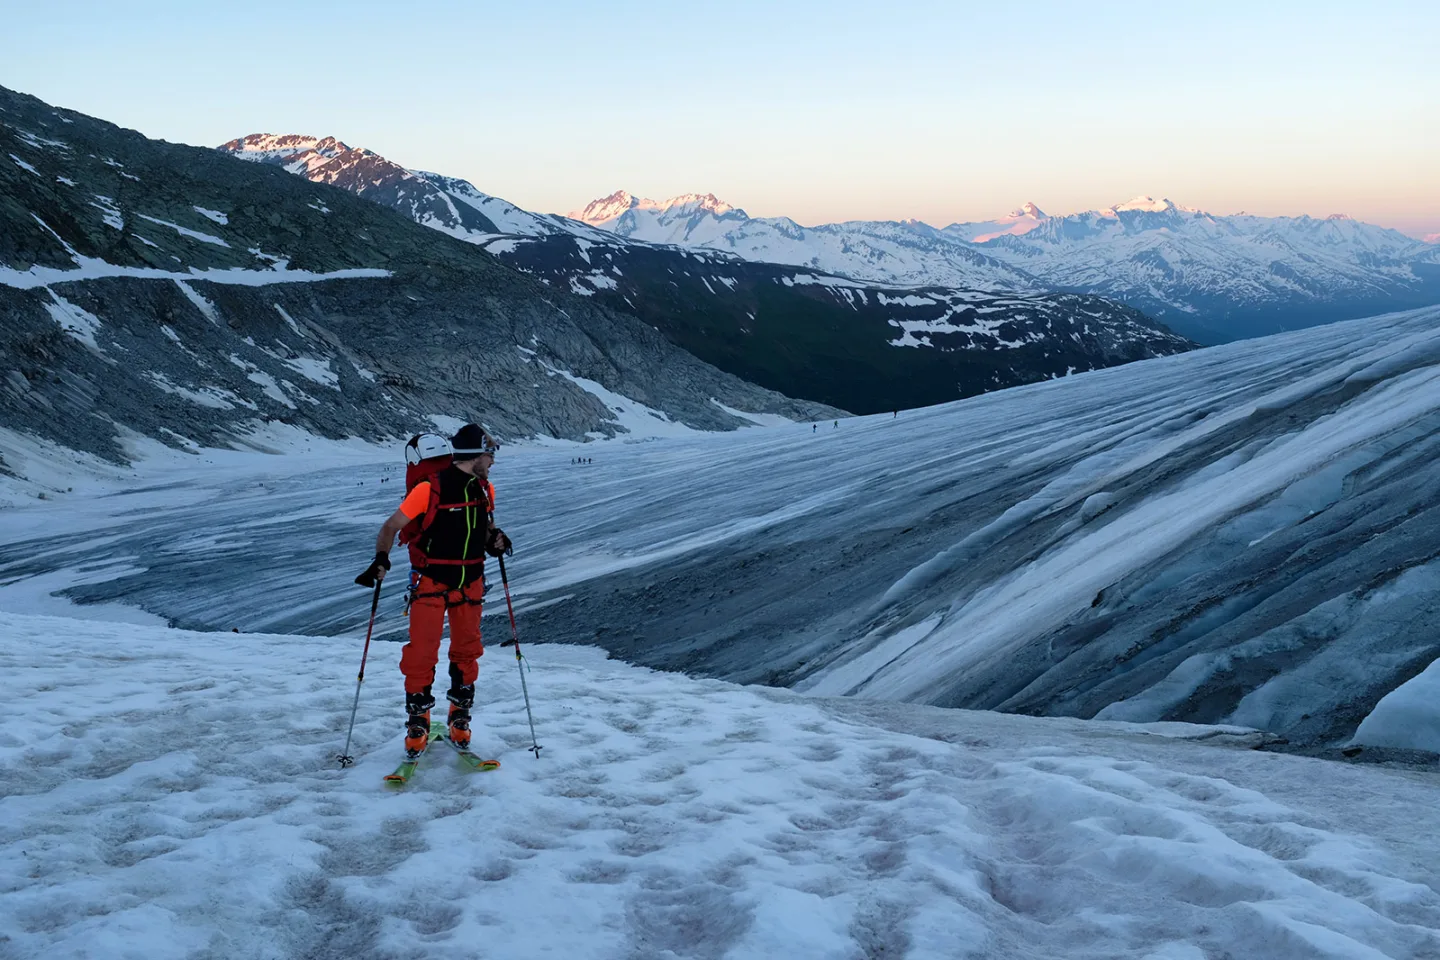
<point x="471" y="440"/>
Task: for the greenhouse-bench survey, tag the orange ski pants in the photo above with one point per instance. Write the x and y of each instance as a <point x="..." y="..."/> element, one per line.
<point x="433" y="603"/>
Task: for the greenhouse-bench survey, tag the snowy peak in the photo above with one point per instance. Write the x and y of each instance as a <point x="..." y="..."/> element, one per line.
<point x="1019" y="221"/>
<point x="689" y="203"/>
<point x="1144" y="204"/>
<point x="447" y="204"/>
<point x="607" y="210"/>
<point x="282" y="148"/>
<point x="597" y="213"/>
<point x="297" y="153"/>
<point x="1430" y="238"/>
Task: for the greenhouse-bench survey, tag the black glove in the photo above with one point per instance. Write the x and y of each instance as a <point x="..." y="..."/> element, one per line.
<point x="381" y="562"/>
<point x="497" y="544"/>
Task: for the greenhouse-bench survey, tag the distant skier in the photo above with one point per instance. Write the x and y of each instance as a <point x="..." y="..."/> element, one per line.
<point x="448" y="521"/>
<point x="814" y="427"/>
<point x="837" y="424"/>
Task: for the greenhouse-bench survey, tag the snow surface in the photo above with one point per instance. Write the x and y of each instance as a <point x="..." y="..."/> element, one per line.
<point x="1407" y="717"/>
<point x="216" y="398"/>
<point x="313" y="368"/>
<point x="215" y="215"/>
<point x="175" y="795"/>
<point x="90" y="268"/>
<point x="206" y="308"/>
<point x="109" y="212"/>
<point x="23" y="165"/>
<point x="187" y="232"/>
<point x="78" y="323"/>
<point x="270" y="388"/>
<point x="631" y="417"/>
<point x="499" y="247"/>
<point x="759" y="419"/>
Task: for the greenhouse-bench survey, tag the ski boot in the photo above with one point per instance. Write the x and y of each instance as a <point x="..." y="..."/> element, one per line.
<point x="417" y="722"/>
<point x="461" y="698"/>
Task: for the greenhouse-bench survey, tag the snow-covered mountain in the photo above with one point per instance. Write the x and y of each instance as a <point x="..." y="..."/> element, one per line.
<point x="1210" y="277"/>
<point x="447" y="204"/>
<point x="606" y="211"/>
<point x="890" y="253"/>
<point x="804" y="332"/>
<point x="1019" y="221"/>
<point x="656" y="222"/>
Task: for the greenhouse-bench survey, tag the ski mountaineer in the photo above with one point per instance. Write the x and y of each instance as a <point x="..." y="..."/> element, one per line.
<point x="448" y="521"/>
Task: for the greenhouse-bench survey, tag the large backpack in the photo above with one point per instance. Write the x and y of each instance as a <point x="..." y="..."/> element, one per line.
<point x="426" y="455"/>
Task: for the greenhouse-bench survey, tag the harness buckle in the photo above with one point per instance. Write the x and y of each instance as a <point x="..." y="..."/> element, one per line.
<point x="411" y="590"/>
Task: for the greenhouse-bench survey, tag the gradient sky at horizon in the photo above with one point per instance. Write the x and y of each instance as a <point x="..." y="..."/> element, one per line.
<point x="820" y="111"/>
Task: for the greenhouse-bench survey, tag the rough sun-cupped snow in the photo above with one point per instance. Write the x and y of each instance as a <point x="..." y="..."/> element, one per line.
<point x="176" y="795"/>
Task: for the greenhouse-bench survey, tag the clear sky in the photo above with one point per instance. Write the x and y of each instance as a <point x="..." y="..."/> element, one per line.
<point x="822" y="111"/>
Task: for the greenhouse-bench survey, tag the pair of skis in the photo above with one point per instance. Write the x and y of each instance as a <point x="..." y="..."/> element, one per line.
<point x="472" y="761"/>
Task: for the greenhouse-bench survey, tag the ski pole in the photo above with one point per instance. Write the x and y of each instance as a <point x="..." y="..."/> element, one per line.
<point x="345" y="758"/>
<point x="519" y="661"/>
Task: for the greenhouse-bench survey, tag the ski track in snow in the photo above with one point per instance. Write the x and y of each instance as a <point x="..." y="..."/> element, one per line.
<point x="174" y="795"/>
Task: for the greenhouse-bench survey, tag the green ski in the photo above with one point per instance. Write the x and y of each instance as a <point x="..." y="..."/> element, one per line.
<point x="472" y="761"/>
<point x="406" y="770"/>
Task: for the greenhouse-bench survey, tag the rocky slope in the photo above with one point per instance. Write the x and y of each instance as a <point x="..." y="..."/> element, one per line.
<point x="178" y="293"/>
<point x="864" y="347"/>
<point x="444" y="203"/>
<point x="805" y="333"/>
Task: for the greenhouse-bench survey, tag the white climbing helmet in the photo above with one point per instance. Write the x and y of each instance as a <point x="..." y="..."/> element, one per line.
<point x="425" y="446"/>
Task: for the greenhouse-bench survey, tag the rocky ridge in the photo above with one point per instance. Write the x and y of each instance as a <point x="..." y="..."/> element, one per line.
<point x="177" y="293"/>
<point x="864" y="347"/>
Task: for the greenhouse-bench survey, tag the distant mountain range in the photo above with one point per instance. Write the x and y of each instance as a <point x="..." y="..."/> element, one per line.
<point x="1210" y="277"/>
<point x="864" y="347"/>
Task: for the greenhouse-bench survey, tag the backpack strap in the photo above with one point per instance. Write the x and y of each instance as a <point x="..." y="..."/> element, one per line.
<point x="416" y="528"/>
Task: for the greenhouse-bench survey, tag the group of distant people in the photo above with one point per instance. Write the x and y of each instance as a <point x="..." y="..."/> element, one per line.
<point x="575" y="460"/>
<point x="836" y="423"/>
